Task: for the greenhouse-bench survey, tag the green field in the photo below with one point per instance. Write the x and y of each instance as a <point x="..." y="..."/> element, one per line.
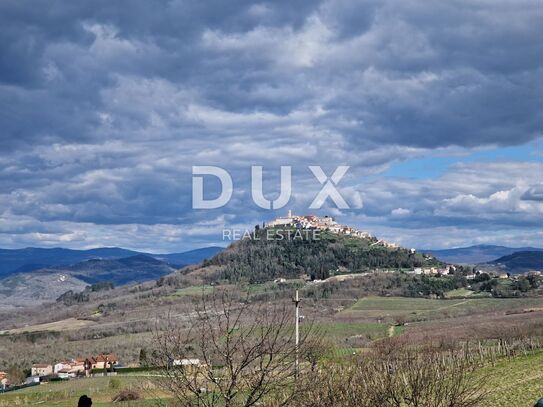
<point x="422" y="308"/>
<point x="398" y="304"/>
<point x="194" y="291"/>
<point x="67" y="393"/>
<point x="345" y="330"/>
<point x="516" y="382"/>
<point x="271" y="286"/>
<point x="460" y="293"/>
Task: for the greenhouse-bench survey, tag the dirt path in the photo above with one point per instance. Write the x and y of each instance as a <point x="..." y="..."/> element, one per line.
<point x="455" y="305"/>
<point x="63" y="325"/>
<point x="428" y="311"/>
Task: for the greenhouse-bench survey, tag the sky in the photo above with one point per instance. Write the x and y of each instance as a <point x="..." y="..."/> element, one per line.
<point x="105" y="107"/>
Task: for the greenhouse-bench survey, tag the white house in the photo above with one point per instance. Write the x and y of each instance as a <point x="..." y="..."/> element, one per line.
<point x="280" y="222"/>
<point x="41" y="370"/>
<point x="66" y="373"/>
<point x="186" y="362"/>
<point x="61" y="366"/>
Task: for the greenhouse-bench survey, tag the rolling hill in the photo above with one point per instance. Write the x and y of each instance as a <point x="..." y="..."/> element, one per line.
<point x="133" y="269"/>
<point x="476" y="254"/>
<point x="34" y="258"/>
<point x="261" y="259"/>
<point x="27" y="289"/>
<point x="520" y="262"/>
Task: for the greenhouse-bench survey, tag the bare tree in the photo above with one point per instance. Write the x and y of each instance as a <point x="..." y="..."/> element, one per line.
<point x="315" y="349"/>
<point x="246" y="354"/>
<point x="15" y="375"/>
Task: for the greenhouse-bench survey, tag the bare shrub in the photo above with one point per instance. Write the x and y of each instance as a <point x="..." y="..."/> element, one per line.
<point x="246" y="353"/>
<point x="400" y="320"/>
<point x="126" y="395"/>
<point x="315" y="349"/>
<point x="402" y="376"/>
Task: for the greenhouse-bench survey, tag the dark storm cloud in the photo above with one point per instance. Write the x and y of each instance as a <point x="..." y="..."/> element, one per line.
<point x="105" y="106"/>
<point x="415" y="73"/>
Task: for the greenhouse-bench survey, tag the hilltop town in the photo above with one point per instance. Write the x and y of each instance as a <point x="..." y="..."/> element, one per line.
<point x="326" y="223"/>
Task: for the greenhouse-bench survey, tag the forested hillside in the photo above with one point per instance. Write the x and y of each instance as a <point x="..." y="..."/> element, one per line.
<point x="260" y="259"/>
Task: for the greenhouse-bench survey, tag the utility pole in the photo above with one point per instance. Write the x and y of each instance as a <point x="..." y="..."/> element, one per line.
<point x="296" y="301"/>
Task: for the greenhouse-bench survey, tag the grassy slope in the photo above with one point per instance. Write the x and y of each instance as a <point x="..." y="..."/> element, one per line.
<point x="64" y="394"/>
<point x="516" y="382"/>
<point x="343" y="330"/>
<point x="432" y="309"/>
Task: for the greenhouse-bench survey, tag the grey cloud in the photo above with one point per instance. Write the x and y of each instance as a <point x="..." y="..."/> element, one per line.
<point x="419" y="73"/>
<point x="106" y="106"/>
<point x="534" y="193"/>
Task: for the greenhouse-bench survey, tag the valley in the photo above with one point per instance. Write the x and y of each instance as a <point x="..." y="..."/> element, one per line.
<point x="358" y="293"/>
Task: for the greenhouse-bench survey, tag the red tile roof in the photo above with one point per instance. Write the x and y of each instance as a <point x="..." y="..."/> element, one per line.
<point x="103" y="358"/>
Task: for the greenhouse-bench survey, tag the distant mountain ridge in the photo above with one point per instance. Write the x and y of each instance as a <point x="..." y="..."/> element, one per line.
<point x="133" y="269"/>
<point x="31" y="258"/>
<point x="520" y="262"/>
<point x="48" y="283"/>
<point x="28" y="286"/>
<point x="476" y="254"/>
<point x="189" y="257"/>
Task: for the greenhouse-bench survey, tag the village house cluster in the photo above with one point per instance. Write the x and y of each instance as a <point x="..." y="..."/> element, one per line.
<point x="315" y="222"/>
<point x="72" y="368"/>
<point x="326" y="223"/>
<point x="448" y="269"/>
<point x="83" y="367"/>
